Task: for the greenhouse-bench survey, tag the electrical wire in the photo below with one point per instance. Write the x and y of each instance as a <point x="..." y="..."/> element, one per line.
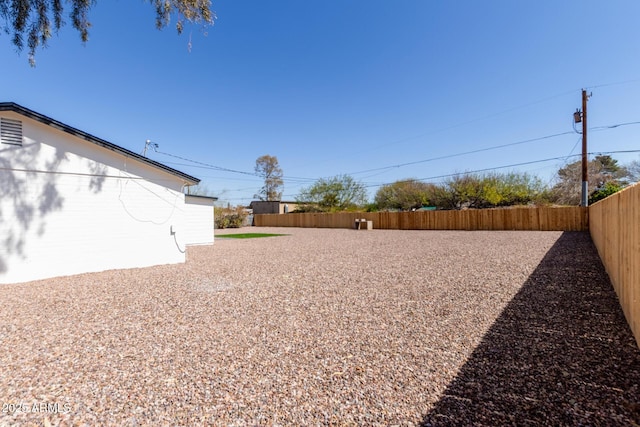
<point x="292" y="179"/>
<point x="173" y="204"/>
<point x="91" y="175"/>
<point x="600" y="128"/>
<point x="220" y="168"/>
<point x="508" y="110"/>
<point x="380" y="170"/>
<point x="462" y="124"/>
<point x="573" y="148"/>
<point x="496" y="147"/>
<point x="506" y="166"/>
<point x="473" y="171"/>
<point x="134" y="179"/>
<point x="203" y="165"/>
<point x="463" y="153"/>
<point x="613" y="84"/>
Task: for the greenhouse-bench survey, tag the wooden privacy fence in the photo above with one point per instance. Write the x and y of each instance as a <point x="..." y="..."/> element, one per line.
<point x="614" y="224"/>
<point x="571" y="218"/>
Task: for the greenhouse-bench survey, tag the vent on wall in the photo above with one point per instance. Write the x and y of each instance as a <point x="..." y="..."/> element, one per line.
<point x="10" y="131"/>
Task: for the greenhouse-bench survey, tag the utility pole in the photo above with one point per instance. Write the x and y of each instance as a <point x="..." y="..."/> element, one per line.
<point x="585" y="160"/>
<point x="581" y="116"/>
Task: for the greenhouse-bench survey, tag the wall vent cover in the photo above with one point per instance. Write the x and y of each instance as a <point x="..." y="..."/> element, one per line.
<point x="10" y="131"/>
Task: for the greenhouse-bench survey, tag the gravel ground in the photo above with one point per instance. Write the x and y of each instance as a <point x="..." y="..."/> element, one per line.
<point x="328" y="327"/>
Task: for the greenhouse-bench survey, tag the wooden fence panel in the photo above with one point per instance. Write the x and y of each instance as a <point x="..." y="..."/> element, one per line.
<point x="614" y="224"/>
<point x="559" y="218"/>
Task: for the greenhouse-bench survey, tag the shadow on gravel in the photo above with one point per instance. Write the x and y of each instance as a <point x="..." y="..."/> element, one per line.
<point x="560" y="353"/>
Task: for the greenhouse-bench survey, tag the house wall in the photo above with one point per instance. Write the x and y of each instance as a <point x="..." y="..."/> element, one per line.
<point x="199" y="220"/>
<point x="68" y="206"/>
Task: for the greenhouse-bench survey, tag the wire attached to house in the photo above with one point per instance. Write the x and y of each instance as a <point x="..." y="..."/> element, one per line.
<point x="151" y="221"/>
<point x="220" y="168"/>
<point x="175" y="239"/>
<point x="91" y="175"/>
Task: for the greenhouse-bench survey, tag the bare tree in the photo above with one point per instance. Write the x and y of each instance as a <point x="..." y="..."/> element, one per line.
<point x="268" y="168"/>
<point x="633" y="171"/>
<point x="602" y="170"/>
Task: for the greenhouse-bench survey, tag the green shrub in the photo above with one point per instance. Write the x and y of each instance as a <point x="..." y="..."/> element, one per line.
<point x="606" y="190"/>
<point x="229" y="217"/>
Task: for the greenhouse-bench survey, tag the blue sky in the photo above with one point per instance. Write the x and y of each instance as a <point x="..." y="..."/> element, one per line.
<point x="374" y="89"/>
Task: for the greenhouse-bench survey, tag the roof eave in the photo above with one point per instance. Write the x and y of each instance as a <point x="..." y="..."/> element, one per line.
<point x="16" y="108"/>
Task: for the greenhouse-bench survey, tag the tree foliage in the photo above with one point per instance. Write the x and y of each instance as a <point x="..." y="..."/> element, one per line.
<point x="471" y="191"/>
<point x="601" y="170"/>
<point x="38" y="19"/>
<point x="268" y="168"/>
<point x="339" y="193"/>
<point x="606" y="190"/>
<point x="403" y="195"/>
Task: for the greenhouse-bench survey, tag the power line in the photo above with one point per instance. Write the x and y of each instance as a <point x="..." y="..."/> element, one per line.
<point x="210" y="166"/>
<point x="613" y="84"/>
<point x="599" y="128"/>
<point x="303" y="180"/>
<point x="499" y="113"/>
<point x="475" y="171"/>
<point x="496" y="147"/>
<point x="615" y="152"/>
<point x="203" y="165"/>
<point x="573" y="148"/>
<point x="448" y="156"/>
<point x="478" y="119"/>
<point x="507" y="166"/>
<point x="564" y="158"/>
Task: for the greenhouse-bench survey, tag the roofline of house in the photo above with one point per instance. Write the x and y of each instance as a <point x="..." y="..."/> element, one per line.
<point x="12" y="106"/>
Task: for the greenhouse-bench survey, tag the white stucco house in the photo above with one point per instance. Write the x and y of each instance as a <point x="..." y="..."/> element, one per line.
<point x="73" y="203"/>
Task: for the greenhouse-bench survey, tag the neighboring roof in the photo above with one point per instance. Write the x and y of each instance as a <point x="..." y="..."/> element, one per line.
<point x="273" y="201"/>
<point x="202" y="197"/>
<point x="12" y="106"/>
